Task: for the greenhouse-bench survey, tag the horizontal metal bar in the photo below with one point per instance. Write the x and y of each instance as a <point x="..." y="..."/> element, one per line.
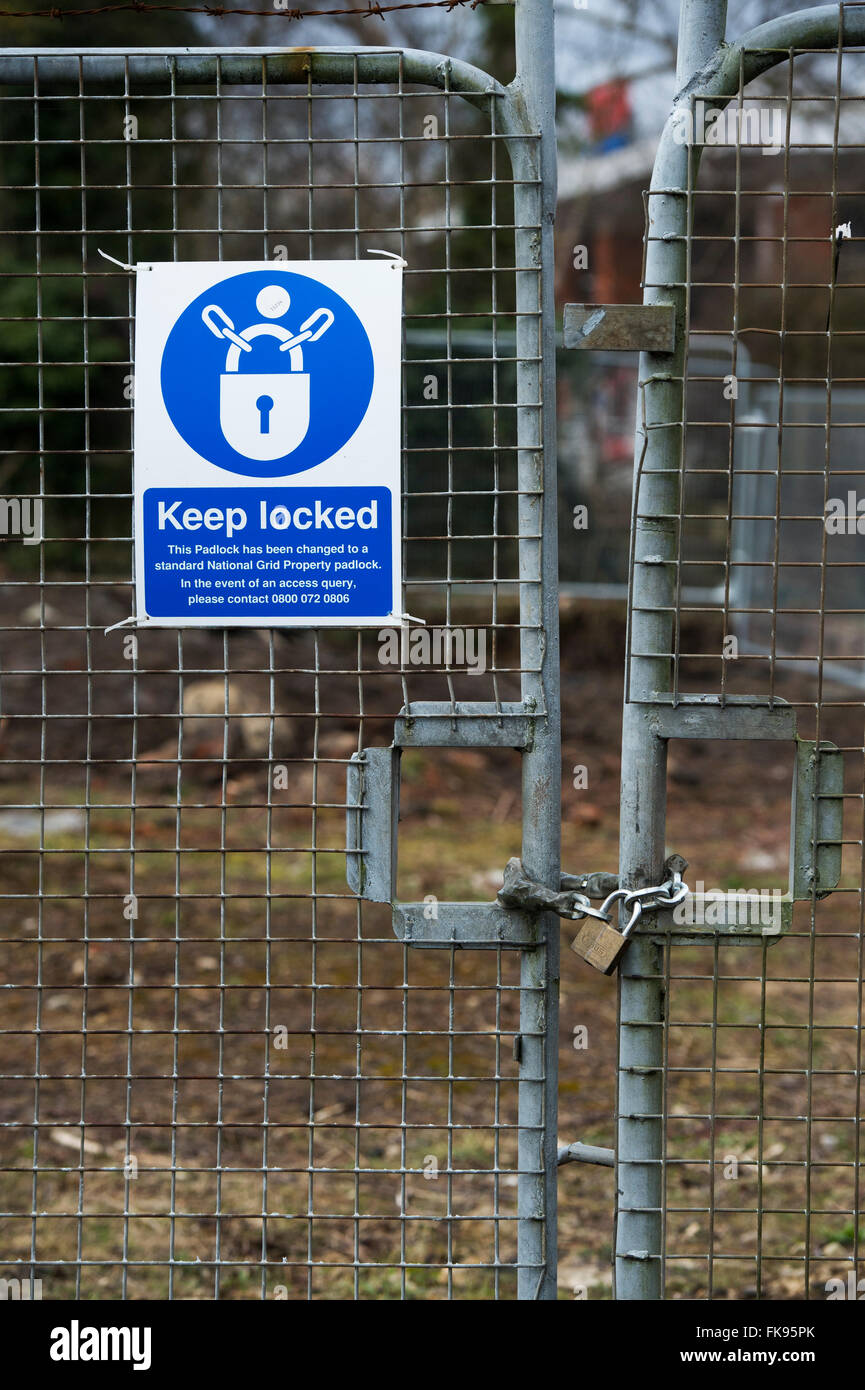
<point x="438" y="924"/>
<point x="769" y="43"/>
<point x="587" y="1153"/>
<point x="730" y="918"/>
<point x="710" y="716"/>
<point x="432" y="724"/>
<point x="338" y="64"/>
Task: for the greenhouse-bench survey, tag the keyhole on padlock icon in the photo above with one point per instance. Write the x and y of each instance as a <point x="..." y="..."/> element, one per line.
<point x="264" y="405"/>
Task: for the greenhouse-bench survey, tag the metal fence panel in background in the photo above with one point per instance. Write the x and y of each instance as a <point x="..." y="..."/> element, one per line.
<point x="223" y="1074"/>
<point x="741" y="1064"/>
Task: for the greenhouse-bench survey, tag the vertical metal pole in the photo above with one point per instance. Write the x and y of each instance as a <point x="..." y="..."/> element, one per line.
<point x="534" y="206"/>
<point x="639" y="1177"/>
<point x="702" y="25"/>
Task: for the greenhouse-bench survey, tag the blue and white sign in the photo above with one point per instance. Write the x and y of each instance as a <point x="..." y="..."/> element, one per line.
<point x="267" y="408"/>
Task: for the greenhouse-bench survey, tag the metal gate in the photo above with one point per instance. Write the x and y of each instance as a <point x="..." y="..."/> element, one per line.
<point x="248" y="1050"/>
<point x="226" y="1073"/>
<point x="740" y="1077"/>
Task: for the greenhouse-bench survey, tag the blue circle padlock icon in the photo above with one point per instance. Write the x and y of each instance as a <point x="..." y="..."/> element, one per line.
<point x="265" y="415"/>
<point x="281" y="426"/>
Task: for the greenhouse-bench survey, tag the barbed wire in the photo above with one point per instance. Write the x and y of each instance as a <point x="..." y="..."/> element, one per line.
<point x="369" y="11"/>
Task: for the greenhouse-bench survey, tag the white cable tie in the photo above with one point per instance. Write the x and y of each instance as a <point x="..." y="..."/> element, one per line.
<point x="131" y="621"/>
<point x="105" y="256"/>
<point x="391" y="254"/>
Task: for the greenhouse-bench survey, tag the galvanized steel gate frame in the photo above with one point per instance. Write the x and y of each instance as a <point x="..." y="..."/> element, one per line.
<point x="524" y="118"/>
<point x="654" y="712"/>
<point x="655" y="709"/>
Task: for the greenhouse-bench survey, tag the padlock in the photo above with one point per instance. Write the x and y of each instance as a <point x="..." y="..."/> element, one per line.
<point x="598" y="941"/>
<point x="264" y="415"/>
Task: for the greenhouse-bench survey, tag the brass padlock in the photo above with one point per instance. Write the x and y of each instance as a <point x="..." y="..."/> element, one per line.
<point x="598" y="941"/>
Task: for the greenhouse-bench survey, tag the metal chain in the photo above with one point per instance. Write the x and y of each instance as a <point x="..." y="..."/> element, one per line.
<point x="667" y="894"/>
<point x="519" y="890"/>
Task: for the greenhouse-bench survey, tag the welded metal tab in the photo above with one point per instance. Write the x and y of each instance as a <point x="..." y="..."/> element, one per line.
<point x="817" y="820"/>
<point x="372" y="813"/>
<point x="481" y="925"/>
<point x="734" y="717"/>
<point x="738" y="918"/>
<point x="464" y="724"/>
<point x="620" y="327"/>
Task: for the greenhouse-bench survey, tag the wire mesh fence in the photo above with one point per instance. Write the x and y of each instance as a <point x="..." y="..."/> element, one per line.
<point x="223" y="1075"/>
<point x="756" y="1046"/>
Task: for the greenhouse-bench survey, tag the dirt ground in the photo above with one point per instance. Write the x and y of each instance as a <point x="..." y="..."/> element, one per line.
<point x="191" y="1007"/>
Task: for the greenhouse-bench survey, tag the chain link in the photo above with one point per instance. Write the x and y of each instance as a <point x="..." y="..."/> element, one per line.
<point x="667" y="894"/>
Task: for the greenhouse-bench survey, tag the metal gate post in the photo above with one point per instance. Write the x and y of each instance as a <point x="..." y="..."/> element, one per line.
<point x="657" y="484"/>
<point x="534" y="207"/>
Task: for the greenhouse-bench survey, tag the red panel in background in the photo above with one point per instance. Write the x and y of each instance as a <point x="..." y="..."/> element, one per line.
<point x="610" y="113"/>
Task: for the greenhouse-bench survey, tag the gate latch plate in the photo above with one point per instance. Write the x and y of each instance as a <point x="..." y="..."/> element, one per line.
<point x="620" y="327"/>
<point x="372" y="817"/>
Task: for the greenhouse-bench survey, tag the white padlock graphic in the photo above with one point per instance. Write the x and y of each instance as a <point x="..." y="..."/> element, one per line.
<point x="264" y="415"/>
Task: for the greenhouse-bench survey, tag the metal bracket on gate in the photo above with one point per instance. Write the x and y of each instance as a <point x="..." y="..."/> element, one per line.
<point x="816" y="828"/>
<point x="620" y="327"/>
<point x="372" y="816"/>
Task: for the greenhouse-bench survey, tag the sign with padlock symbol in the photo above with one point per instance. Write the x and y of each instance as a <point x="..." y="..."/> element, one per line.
<point x="249" y="375"/>
<point x="269" y="373"/>
<point x="263" y="415"/>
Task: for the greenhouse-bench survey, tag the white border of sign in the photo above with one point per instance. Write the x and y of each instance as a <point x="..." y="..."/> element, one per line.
<point x="162" y="458"/>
